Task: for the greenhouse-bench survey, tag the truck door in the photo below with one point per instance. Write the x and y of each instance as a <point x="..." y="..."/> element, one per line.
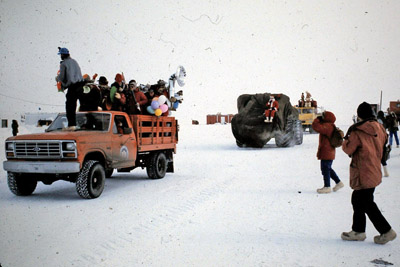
<point x="123" y="143"/>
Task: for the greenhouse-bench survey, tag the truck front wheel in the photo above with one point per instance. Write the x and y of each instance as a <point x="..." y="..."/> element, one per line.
<point x="21" y="184"/>
<point x="90" y="181"/>
<point x="157" y="165"/>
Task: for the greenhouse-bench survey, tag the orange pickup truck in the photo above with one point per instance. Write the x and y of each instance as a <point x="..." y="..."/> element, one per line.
<point x="103" y="141"/>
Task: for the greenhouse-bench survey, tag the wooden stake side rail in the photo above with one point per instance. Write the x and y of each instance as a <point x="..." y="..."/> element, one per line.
<point x="155" y="133"/>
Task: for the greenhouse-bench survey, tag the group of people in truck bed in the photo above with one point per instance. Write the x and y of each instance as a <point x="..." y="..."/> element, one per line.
<point x="119" y="96"/>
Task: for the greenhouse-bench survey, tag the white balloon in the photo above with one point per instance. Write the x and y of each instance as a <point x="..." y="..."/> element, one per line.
<point x="162" y="99"/>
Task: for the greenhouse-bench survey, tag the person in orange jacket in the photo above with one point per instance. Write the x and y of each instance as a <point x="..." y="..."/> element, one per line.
<point x="272" y="107"/>
<point x="364" y="143"/>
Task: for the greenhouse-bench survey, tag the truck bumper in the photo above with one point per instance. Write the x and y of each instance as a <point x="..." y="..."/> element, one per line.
<point x="41" y="167"/>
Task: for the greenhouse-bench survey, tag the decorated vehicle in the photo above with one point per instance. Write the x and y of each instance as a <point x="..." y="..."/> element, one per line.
<point x="308" y="111"/>
<point x="103" y="141"/>
<point x="249" y="126"/>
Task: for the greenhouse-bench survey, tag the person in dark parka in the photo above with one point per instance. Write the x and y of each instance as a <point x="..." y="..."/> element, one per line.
<point x="14" y="126"/>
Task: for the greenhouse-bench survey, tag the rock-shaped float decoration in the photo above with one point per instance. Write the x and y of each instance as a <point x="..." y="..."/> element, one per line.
<point x="250" y="129"/>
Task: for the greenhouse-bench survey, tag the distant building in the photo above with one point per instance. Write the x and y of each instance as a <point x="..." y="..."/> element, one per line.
<point x="219" y="118"/>
<point x="38" y="119"/>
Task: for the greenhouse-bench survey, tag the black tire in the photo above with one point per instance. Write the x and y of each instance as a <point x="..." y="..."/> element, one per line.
<point x="91" y="179"/>
<point x="298" y="133"/>
<point x="109" y="172"/>
<point x="239" y="144"/>
<point x="156" y="165"/>
<point x="21" y="184"/>
<point x="285" y="138"/>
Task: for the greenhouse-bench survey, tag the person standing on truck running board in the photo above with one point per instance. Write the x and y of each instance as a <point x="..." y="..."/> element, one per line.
<point x="324" y="125"/>
<point x="71" y="78"/>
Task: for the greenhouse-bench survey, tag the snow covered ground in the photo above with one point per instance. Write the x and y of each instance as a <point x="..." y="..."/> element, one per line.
<point x="223" y="206"/>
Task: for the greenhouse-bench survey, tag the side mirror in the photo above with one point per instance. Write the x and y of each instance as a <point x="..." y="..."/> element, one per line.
<point x="128" y="130"/>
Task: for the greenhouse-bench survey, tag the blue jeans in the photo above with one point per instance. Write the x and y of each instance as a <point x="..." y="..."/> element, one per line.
<point x="328" y="173"/>
<point x="391" y="138"/>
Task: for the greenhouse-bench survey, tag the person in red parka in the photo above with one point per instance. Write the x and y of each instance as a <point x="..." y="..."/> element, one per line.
<point x="324" y="125"/>
<point x="364" y="143"/>
<point x="136" y="99"/>
<point x="272" y="107"/>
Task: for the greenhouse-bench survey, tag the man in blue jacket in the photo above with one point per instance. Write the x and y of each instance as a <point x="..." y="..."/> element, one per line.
<point x="71" y="78"/>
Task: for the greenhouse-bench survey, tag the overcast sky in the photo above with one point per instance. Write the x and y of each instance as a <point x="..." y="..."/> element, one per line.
<point x="343" y="52"/>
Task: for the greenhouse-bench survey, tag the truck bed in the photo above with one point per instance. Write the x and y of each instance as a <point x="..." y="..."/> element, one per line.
<point x="155" y="133"/>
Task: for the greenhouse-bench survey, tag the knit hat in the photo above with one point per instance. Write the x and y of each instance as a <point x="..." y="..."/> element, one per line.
<point x="364" y="111"/>
<point x="103" y="80"/>
<point x="86" y="77"/>
<point x="118" y="78"/>
<point x="63" y="51"/>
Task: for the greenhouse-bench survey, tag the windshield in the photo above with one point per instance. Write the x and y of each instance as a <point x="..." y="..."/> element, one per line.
<point x="84" y="122"/>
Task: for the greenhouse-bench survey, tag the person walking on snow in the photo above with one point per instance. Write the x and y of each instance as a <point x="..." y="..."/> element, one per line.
<point x="324" y="125"/>
<point x="71" y="78"/>
<point x="14" y="126"/>
<point x="364" y="142"/>
<point x="272" y="107"/>
<point x="393" y="126"/>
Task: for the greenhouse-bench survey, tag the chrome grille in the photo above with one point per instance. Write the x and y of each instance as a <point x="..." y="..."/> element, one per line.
<point x="38" y="149"/>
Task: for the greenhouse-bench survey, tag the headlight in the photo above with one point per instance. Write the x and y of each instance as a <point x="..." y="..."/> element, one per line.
<point x="70" y="146"/>
<point x="10" y="146"/>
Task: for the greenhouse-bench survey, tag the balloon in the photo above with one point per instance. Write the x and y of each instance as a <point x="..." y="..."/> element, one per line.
<point x="158" y="112"/>
<point x="155" y="98"/>
<point x="155" y="105"/>
<point x="150" y="110"/>
<point x="162" y="99"/>
<point x="164" y="108"/>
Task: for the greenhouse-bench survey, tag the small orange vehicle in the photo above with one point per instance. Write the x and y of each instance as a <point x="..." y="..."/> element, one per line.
<point x="102" y="142"/>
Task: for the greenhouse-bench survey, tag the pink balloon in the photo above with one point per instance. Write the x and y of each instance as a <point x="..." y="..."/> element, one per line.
<point x="164" y="108"/>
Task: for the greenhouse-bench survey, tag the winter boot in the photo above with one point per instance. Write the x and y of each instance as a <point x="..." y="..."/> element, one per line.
<point x="384" y="238"/>
<point x="338" y="186"/>
<point x="353" y="236"/>
<point x="324" y="190"/>
<point x="266" y="120"/>
<point x="385" y="172"/>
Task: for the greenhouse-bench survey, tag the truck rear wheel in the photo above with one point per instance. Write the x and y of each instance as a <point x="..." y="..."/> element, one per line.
<point x="157" y="165"/>
<point x="90" y="181"/>
<point x="21" y="184"/>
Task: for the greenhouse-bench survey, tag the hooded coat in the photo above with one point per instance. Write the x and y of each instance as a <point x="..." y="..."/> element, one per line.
<point x="364" y="144"/>
<point x="325" y="129"/>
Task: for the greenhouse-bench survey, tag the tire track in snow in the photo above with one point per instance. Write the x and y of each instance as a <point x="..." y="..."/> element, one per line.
<point x="175" y="213"/>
